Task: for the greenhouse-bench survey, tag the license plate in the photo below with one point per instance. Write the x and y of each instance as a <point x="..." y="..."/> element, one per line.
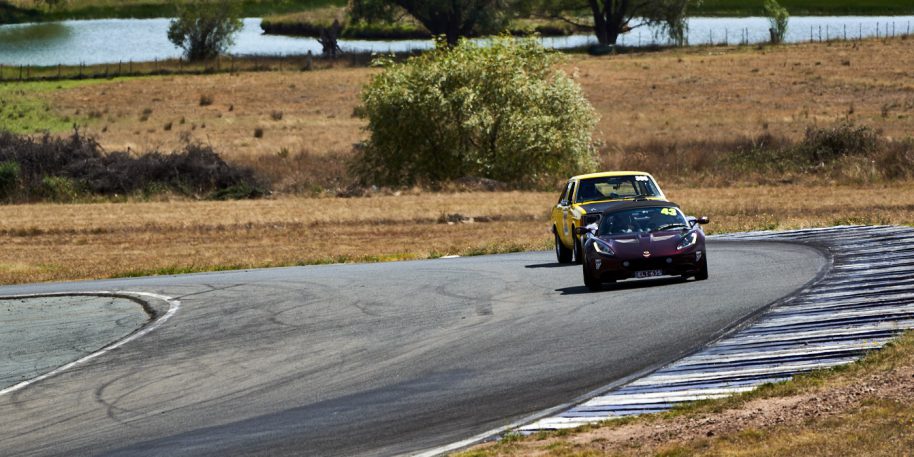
<point x="648" y="273"/>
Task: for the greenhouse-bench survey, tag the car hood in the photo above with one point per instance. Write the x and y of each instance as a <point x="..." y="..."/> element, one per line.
<point x="598" y="207"/>
<point x="635" y="245"/>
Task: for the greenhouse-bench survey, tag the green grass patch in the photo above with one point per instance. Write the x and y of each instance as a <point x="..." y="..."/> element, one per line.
<point x="105" y="9"/>
<point x="804" y="7"/>
<point x="24" y="107"/>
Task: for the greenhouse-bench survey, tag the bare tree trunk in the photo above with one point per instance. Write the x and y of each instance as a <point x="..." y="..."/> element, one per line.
<point x="599" y="23"/>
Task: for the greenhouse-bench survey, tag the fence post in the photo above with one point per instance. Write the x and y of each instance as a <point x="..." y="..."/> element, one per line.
<point x="58" y="71"/>
<point x="845" y="32"/>
<point x="130" y="67"/>
<point x="118" y="67"/>
<point x="20" y="72"/>
<point x="28" y="72"/>
<point x="860" y="36"/>
<point x="827" y="37"/>
<point x="1" y="72"/>
<point x="810" y="34"/>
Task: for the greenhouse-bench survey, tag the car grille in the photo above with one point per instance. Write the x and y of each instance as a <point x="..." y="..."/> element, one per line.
<point x="648" y="264"/>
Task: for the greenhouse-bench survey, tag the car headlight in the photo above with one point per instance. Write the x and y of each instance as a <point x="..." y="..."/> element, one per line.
<point x="688" y="241"/>
<point x="603" y="248"/>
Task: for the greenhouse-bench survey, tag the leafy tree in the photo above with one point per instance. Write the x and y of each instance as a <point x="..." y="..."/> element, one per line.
<point x="500" y="111"/>
<point x="778" y="18"/>
<point x="614" y="17"/>
<point x="205" y="28"/>
<point x="449" y="18"/>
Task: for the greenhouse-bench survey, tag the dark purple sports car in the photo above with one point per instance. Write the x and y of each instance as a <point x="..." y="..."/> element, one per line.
<point x="643" y="239"/>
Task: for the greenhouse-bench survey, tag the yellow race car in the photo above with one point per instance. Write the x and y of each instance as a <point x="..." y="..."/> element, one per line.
<point x="583" y="199"/>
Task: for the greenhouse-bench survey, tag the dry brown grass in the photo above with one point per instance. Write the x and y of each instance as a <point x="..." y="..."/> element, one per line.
<point x="671" y="97"/>
<point x="317" y="109"/>
<point x="707" y="94"/>
<point x="44" y="242"/>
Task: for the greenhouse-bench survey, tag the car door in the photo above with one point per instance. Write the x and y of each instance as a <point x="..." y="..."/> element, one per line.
<point x="566" y="235"/>
<point x="559" y="213"/>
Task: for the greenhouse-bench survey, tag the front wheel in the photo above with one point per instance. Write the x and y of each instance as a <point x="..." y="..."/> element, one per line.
<point x="702" y="269"/>
<point x="562" y="254"/>
<point x="591" y="280"/>
<point x="578" y="248"/>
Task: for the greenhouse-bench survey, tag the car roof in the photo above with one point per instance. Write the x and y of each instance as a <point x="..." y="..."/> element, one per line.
<point x="604" y="174"/>
<point x="637" y="204"/>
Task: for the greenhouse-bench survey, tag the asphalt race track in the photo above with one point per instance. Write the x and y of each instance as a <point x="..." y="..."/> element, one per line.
<point x="378" y="359"/>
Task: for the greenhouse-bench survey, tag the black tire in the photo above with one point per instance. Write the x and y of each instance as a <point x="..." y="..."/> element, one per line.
<point x="562" y="254"/>
<point x="702" y="269"/>
<point x="591" y="281"/>
<point x="578" y="248"/>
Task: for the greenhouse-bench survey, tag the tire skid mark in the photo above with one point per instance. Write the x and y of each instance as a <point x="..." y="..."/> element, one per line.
<point x="140" y="297"/>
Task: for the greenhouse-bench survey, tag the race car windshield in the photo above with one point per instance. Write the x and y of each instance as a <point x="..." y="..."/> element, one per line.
<point x="616" y="188"/>
<point x="644" y="220"/>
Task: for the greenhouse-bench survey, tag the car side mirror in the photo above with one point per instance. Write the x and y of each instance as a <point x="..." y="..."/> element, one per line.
<point x="581" y="231"/>
<point x="703" y="220"/>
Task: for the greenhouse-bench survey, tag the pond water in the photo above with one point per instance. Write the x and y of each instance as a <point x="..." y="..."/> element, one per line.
<point x="113" y="40"/>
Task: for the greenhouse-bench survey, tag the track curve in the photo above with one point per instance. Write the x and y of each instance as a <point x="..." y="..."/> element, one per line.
<point x="378" y="359"/>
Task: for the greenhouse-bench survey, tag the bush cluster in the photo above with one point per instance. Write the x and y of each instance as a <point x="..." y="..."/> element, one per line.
<point x="51" y="168"/>
<point x="500" y="111"/>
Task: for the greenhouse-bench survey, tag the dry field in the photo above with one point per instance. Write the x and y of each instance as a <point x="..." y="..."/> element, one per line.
<point x="44" y="242"/>
<point x="669" y="97"/>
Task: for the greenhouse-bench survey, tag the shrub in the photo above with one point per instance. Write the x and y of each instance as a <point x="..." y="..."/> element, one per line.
<point x="63" y="168"/>
<point x="60" y="189"/>
<point x="501" y="111"/>
<point x="777" y="18"/>
<point x="9" y="178"/>
<point x="206" y="100"/>
<point x="258" y="132"/>
<point x="205" y="29"/>
<point x="827" y="144"/>
<point x="276" y="115"/>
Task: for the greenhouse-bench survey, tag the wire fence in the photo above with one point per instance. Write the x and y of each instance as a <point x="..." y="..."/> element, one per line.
<point x="704" y="35"/>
